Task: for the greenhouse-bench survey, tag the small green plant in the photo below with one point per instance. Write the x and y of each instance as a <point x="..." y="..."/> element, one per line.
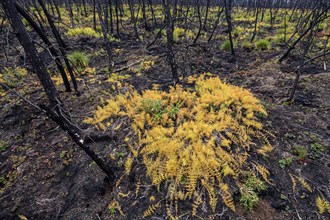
<point x="115" y="207"/>
<point x="2" y="180"/>
<point x="177" y="34"/>
<point x="66" y="156"/>
<point x="285" y="162"/>
<point x="79" y="59"/>
<point x="249" y="198"/>
<point x="300" y="152"/>
<point x="263" y="44"/>
<point x="254" y="183"/>
<point x="247" y="46"/>
<point x="3" y="146"/>
<point x="317" y="148"/>
<point x="153" y="108"/>
<point x="237" y="32"/>
<point x="250" y="189"/>
<point x="279" y="38"/>
<point x="225" y="45"/>
<point x="83" y="31"/>
<point x="12" y="76"/>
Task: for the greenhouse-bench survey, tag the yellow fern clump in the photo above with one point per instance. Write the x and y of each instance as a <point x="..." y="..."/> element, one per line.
<point x="323" y="205"/>
<point x="83" y="31"/>
<point x="193" y="137"/>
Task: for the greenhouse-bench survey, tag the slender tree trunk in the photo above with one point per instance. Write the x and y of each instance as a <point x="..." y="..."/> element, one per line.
<point x="56" y="111"/>
<point x="206" y="14"/>
<point x="62" y="46"/>
<point x="117" y="18"/>
<point x="215" y="26"/>
<point x="57" y="10"/>
<point x="230" y="27"/>
<point x="31" y="52"/>
<point x="144" y="15"/>
<point x="51" y="48"/>
<point x="94" y="15"/>
<point x="169" y="36"/>
<point x="105" y="34"/>
<point x="133" y="19"/>
<point x="199" y="21"/>
<point x="256" y="22"/>
<point x="69" y="8"/>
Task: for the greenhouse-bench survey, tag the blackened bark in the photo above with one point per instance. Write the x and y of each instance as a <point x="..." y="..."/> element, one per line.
<point x="31" y="52"/>
<point x="169" y="37"/>
<point x="105" y="34"/>
<point x="62" y="46"/>
<point x="230" y="27"/>
<point x="51" y="48"/>
<point x="56" y="111"/>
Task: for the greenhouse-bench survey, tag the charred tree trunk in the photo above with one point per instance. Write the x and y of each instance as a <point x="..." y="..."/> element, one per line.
<point x="144" y="15"/>
<point x="51" y="48"/>
<point x="94" y="15"/>
<point x="199" y="21"/>
<point x="62" y="46"/>
<point x="206" y="14"/>
<point x="133" y="18"/>
<point x="117" y="18"/>
<point x="105" y="34"/>
<point x="169" y="43"/>
<point x="215" y="26"/>
<point x="256" y="22"/>
<point x="230" y="27"/>
<point x="69" y="9"/>
<point x="56" y="111"/>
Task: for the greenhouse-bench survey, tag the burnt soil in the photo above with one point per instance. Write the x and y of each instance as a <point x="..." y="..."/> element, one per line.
<point x="48" y="177"/>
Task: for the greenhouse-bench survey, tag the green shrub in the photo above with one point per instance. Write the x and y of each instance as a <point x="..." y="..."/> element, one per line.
<point x="317" y="148"/>
<point x="79" y="59"/>
<point x="279" y="38"/>
<point x="177" y="34"/>
<point x="163" y="32"/>
<point x="249" y="191"/>
<point x="263" y="44"/>
<point x="12" y="76"/>
<point x="3" y="146"/>
<point x="225" y="45"/>
<point x="83" y="31"/>
<point x="300" y="151"/>
<point x="284" y="162"/>
<point x="247" y="46"/>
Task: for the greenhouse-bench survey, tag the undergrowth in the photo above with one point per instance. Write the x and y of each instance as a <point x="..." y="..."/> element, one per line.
<point x="83" y="31"/>
<point x="193" y="141"/>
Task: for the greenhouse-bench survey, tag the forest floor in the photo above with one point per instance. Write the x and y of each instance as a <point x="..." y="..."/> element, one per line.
<point x="45" y="176"/>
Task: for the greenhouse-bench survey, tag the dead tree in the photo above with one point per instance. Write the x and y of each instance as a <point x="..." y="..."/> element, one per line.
<point x="62" y="46"/>
<point x="169" y="42"/>
<point x="106" y="41"/>
<point x="55" y="110"/>
<point x="228" y="6"/>
<point x="50" y="46"/>
<point x="199" y="21"/>
<point x="318" y="17"/>
<point x="256" y="22"/>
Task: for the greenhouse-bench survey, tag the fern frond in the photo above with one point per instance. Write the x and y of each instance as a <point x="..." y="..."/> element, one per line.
<point x="151" y="209"/>
<point x="305" y="184"/>
<point x="294" y="183"/>
<point x="323" y="205"/>
<point x="196" y="203"/>
<point x="227" y="198"/>
<point x="138" y="186"/>
<point x="262" y="171"/>
<point x="128" y="165"/>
